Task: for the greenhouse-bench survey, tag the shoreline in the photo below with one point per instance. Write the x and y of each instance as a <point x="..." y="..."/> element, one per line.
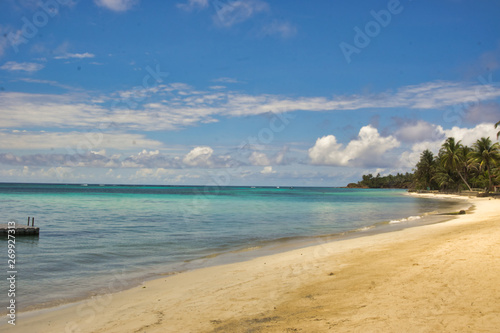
<point x="258" y="292"/>
<point x="250" y="251"/>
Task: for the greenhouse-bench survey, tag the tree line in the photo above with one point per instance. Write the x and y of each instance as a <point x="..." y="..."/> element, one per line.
<point x="456" y="167"/>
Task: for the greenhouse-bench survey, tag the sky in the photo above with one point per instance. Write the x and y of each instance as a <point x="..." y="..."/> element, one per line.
<point x="240" y="92"/>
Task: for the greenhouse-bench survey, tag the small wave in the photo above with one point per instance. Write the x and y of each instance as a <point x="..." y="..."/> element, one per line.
<point x="408" y="219"/>
<point x="365" y="228"/>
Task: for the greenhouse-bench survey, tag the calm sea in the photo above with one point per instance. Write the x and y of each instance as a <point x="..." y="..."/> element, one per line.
<point x="96" y="238"/>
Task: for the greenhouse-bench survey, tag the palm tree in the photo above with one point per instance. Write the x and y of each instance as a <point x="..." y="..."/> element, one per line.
<point x="486" y="154"/>
<point x="445" y="178"/>
<point x="468" y="164"/>
<point x="425" y="169"/>
<point x="452" y="159"/>
<point x="498" y="133"/>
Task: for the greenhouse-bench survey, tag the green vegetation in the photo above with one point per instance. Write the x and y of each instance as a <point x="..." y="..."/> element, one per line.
<point x="455" y="168"/>
<point x="400" y="180"/>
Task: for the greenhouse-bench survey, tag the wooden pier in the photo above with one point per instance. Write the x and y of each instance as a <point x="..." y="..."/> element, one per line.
<point x="20" y="230"/>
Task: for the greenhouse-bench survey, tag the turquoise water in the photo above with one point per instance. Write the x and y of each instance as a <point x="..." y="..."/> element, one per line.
<point x="91" y="235"/>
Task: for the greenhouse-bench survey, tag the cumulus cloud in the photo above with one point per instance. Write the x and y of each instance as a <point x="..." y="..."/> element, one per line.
<point x="204" y="157"/>
<point x="116" y="5"/>
<point x="467" y="136"/>
<point x="199" y="157"/>
<point x="365" y="151"/>
<point x="22" y="66"/>
<point x="151" y="159"/>
<point x="409" y="159"/>
<point x="267" y="170"/>
<point x="258" y="158"/>
<point x="419" y="131"/>
<point x="479" y="113"/>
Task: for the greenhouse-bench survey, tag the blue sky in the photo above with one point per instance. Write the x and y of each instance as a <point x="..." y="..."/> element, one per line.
<point x="230" y="92"/>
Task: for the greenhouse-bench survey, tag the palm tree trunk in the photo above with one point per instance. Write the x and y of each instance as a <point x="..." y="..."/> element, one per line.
<point x="490" y="184"/>
<point x="465" y="182"/>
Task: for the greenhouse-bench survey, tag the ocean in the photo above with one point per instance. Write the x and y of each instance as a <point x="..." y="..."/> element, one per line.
<point x="102" y="238"/>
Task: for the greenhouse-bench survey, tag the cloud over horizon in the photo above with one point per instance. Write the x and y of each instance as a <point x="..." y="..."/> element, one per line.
<point x="365" y="151"/>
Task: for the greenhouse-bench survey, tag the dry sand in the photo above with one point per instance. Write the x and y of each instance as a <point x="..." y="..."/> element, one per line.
<point x="436" y="278"/>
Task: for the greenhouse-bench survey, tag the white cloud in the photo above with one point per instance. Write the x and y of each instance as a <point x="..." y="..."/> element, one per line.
<point x="409" y="159"/>
<point x="25" y="173"/>
<point x="257" y="158"/>
<point x="151" y="159"/>
<point x="45" y="82"/>
<point x="82" y="159"/>
<point x="226" y="80"/>
<point x="116" y="5"/>
<point x="367" y="150"/>
<point x="156" y="174"/>
<point x="280" y="157"/>
<point x="419" y="131"/>
<point x="177" y="105"/>
<point x="280" y="29"/>
<point x="262" y="159"/>
<point x="49" y="110"/>
<point x="75" y="55"/>
<point x="486" y="112"/>
<point x="233" y="12"/>
<point x="83" y="142"/>
<point x="267" y="170"/>
<point x="193" y="4"/>
<point x="467" y="136"/>
<point x="430" y="95"/>
<point x="204" y="157"/>
<point x="84" y="156"/>
<point x="199" y="157"/>
<point x="22" y="66"/>
<point x="490" y="60"/>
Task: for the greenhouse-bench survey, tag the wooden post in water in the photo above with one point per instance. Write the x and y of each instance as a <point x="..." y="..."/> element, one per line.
<point x="33" y="221"/>
<point x="28" y="221"/>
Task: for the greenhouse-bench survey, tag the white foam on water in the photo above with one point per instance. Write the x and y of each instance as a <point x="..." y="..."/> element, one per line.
<point x="408" y="219"/>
